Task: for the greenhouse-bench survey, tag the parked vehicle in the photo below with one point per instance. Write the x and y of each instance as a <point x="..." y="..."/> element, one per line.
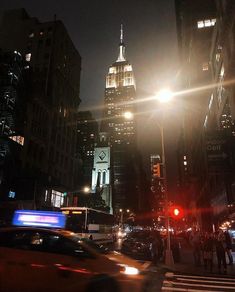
<point x="138" y="245"/>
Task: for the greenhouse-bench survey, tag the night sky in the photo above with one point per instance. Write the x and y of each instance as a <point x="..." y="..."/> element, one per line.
<point x="151" y="47"/>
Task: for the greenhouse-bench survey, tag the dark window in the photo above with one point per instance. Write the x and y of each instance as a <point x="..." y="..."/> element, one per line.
<point x="48" y="42"/>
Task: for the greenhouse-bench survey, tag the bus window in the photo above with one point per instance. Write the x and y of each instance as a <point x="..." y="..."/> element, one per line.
<point x="76" y="221"/>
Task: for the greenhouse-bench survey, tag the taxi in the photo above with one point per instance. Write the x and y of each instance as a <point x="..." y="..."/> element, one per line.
<point x="38" y="258"/>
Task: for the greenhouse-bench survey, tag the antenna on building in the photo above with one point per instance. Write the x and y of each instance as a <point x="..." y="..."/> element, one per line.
<point x="121" y="36"/>
<point x="121" y="56"/>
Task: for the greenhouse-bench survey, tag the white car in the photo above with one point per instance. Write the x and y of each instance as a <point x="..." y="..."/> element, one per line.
<point x="38" y="259"/>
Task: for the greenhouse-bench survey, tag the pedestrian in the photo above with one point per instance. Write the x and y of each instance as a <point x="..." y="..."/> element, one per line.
<point x="156" y="247"/>
<point x="228" y="247"/>
<point x="195" y="241"/>
<point x="220" y="245"/>
<point x="207" y="251"/>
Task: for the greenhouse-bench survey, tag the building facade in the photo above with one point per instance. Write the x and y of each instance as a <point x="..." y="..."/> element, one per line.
<point x="195" y="23"/>
<point x="206" y="155"/>
<point x="49" y="165"/>
<point x="87" y="130"/>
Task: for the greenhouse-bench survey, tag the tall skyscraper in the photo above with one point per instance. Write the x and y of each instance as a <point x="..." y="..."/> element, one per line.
<point x="196" y="23"/>
<point x="47" y="165"/>
<point x="87" y="130"/>
<point x="120" y="124"/>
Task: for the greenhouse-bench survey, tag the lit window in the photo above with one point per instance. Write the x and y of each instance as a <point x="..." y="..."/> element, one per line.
<point x="112" y="70"/>
<point x="185" y="157"/>
<point x="185" y="163"/>
<point x="31" y="35"/>
<point x="127" y="68"/>
<point x="28" y="57"/>
<point x="205" y="122"/>
<point x="57" y="199"/>
<point x="205" y="66"/>
<point x="207" y="22"/>
<point x="18" y="139"/>
<point x="200" y="24"/>
<point x="213" y="21"/>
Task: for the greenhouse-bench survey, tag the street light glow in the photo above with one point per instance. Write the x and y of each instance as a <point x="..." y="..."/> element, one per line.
<point x="165" y="95"/>
<point x="128" y="115"/>
<point x="86" y="189"/>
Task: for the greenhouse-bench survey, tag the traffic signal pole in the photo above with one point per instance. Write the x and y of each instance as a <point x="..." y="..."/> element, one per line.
<point x="168" y="256"/>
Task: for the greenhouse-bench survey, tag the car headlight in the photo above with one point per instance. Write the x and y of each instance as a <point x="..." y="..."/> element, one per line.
<point x="127" y="270"/>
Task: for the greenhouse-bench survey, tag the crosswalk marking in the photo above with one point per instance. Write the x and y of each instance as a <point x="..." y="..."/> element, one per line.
<point x="170" y="289"/>
<point x="194" y="283"/>
<point x="207" y="281"/>
<point x="169" y="274"/>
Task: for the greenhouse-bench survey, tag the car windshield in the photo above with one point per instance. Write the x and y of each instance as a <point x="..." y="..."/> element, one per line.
<point x="139" y="235"/>
<point x="99" y="248"/>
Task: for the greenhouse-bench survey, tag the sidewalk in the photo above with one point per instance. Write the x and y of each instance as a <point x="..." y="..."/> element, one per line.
<point x="186" y="265"/>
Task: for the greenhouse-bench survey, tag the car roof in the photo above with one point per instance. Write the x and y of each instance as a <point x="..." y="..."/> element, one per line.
<point x="56" y="231"/>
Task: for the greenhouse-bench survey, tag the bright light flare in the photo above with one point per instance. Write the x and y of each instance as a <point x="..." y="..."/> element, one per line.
<point x="86" y="189"/>
<point x="129" y="270"/>
<point x="128" y="115"/>
<point x="165" y="95"/>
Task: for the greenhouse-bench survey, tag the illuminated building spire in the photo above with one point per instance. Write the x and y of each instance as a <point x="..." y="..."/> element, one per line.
<point x="121" y="56"/>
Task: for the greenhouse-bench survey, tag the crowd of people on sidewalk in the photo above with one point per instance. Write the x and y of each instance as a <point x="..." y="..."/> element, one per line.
<point x="205" y="244"/>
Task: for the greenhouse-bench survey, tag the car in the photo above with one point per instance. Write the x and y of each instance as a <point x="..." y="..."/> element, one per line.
<point x="42" y="259"/>
<point x="143" y="245"/>
<point x="121" y="233"/>
<point x="138" y="245"/>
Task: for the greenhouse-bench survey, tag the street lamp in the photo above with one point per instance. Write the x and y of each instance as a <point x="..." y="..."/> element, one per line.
<point x="128" y="115"/>
<point x="122" y="211"/>
<point x="165" y="96"/>
<point x="86" y="190"/>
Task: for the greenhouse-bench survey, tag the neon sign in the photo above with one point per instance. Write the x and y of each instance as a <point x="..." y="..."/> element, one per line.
<point x="39" y="218"/>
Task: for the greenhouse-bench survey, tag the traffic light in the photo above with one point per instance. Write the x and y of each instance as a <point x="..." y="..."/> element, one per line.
<point x="156" y="170"/>
<point x="176" y="212"/>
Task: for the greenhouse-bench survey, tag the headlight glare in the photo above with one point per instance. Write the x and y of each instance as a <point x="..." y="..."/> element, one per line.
<point x="127" y="270"/>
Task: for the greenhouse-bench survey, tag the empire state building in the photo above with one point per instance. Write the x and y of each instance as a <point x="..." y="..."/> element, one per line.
<point x="119" y="123"/>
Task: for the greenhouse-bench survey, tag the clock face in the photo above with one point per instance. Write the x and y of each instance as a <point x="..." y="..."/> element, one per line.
<point x="102" y="155"/>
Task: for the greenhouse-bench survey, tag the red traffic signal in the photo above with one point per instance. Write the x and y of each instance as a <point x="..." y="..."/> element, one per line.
<point x="176" y="212"/>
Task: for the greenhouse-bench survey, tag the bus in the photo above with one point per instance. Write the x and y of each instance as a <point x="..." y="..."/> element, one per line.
<point x="90" y="223"/>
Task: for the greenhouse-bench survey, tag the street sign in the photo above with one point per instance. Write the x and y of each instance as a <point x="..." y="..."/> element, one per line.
<point x="216" y="149"/>
<point x="217" y="152"/>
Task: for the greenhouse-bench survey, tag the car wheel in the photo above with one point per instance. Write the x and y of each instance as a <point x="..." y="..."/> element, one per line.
<point x="102" y="283"/>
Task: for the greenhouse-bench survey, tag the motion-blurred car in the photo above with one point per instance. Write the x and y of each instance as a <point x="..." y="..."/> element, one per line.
<point x="41" y="257"/>
<point x="121" y="233"/>
<point x="37" y="259"/>
<point x="138" y="245"/>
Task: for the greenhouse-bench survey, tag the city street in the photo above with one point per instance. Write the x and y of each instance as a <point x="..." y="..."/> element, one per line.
<point x="185" y="276"/>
